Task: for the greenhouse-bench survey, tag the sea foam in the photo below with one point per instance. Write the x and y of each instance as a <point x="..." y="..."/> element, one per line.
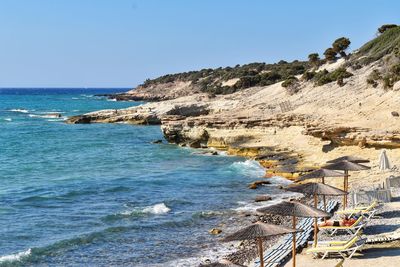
<point x="19" y="110"/>
<point x="160" y="208"/>
<point x="15" y="257"/>
<point x="249" y="168"/>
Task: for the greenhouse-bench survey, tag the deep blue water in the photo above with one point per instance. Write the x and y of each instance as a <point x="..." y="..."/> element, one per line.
<point x="102" y="194"/>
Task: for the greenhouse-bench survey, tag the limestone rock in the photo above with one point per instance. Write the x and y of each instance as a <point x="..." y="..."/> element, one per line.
<point x="215" y="231"/>
<point x="256" y="184"/>
<point x="263" y="198"/>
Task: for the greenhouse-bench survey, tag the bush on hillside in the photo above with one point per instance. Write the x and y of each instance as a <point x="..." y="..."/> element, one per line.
<point x="330" y="54"/>
<point x="308" y="75"/>
<point x="385" y="27"/>
<point x="324" y="76"/>
<point x="314" y="59"/>
<point x="340" y="45"/>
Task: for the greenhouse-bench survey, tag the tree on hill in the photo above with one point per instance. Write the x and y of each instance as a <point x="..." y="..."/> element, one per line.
<point x="330" y="54"/>
<point x="340" y="45"/>
<point x="314" y="59"/>
<point x="385" y="27"/>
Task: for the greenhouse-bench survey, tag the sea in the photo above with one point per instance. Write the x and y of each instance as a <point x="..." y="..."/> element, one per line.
<point x="104" y="194"/>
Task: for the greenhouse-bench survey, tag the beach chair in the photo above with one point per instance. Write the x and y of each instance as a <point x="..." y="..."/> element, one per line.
<point x="355" y="227"/>
<point x="340" y="263"/>
<point x="337" y="242"/>
<point x="347" y="249"/>
<point x="365" y="211"/>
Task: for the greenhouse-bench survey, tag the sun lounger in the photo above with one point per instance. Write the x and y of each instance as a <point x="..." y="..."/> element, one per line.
<point x="337" y="242"/>
<point x="348" y="249"/>
<point x="365" y="211"/>
<point x="356" y="226"/>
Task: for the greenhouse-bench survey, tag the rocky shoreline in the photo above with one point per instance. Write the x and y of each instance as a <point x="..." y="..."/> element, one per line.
<point x="288" y="134"/>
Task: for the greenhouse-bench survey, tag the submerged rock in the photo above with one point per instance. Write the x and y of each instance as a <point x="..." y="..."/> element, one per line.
<point x="215" y="231"/>
<point x="256" y="184"/>
<point x="263" y="198"/>
<point x="159" y="141"/>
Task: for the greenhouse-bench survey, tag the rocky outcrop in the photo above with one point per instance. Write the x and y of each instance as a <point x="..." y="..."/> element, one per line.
<point x="145" y="114"/>
<point x="355" y="136"/>
<point x="157" y="92"/>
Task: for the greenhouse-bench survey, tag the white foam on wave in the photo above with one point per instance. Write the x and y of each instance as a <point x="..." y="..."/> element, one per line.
<point x="7" y="119"/>
<point x="252" y="206"/>
<point x="280" y="180"/>
<point x="112" y="99"/>
<point x="46" y="115"/>
<point x="160" y="208"/>
<point x="19" y="110"/>
<point x="15" y="257"/>
<point x="249" y="168"/>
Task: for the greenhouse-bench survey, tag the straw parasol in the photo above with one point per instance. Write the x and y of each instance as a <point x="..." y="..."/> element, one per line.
<point x="316" y="189"/>
<point x="349" y="158"/>
<point x="321" y="173"/>
<point x="221" y="263"/>
<point x="294" y="209"/>
<point x="346" y="166"/>
<point x="384" y="163"/>
<point x="258" y="231"/>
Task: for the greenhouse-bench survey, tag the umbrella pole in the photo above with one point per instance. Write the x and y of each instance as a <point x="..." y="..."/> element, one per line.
<point x="344" y="189"/>
<point x="324" y="198"/>
<point x="346" y="174"/>
<point x="294" y="242"/>
<point x="260" y="251"/>
<point x="315" y="221"/>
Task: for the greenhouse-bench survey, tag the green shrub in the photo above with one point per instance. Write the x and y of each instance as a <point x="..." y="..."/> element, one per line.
<point x="291" y="81"/>
<point x="324" y="76"/>
<point x="308" y="75"/>
<point x="330" y="54"/>
<point x="340" y="45"/>
<point x="314" y="59"/>
<point x="385" y="27"/>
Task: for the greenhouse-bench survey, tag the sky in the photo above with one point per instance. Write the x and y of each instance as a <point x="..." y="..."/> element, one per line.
<point x="120" y="43"/>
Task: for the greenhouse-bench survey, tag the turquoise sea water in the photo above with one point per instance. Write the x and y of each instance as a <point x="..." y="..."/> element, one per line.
<point x="102" y="194"/>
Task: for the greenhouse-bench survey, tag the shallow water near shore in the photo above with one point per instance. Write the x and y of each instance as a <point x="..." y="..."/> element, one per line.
<point x="102" y="194"/>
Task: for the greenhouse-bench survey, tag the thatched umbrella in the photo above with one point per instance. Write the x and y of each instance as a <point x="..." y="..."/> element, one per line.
<point x="346" y="166"/>
<point x="316" y="189"/>
<point x="222" y="263"/>
<point x="258" y="231"/>
<point x="321" y="173"/>
<point x="294" y="209"/>
<point x="349" y="158"/>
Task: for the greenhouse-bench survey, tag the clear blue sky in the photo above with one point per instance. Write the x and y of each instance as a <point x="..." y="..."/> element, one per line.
<point x="119" y="43"/>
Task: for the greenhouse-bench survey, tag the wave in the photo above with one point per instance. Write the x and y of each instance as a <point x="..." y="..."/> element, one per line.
<point x="46" y="116"/>
<point x="156" y="209"/>
<point x="7" y="119"/>
<point x="19" y="110"/>
<point x="209" y="214"/>
<point x="15" y="257"/>
<point x="160" y="208"/>
<point x="249" y="168"/>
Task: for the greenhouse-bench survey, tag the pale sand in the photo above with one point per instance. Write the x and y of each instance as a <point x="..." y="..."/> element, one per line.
<point x="382" y="255"/>
<point x="371" y="258"/>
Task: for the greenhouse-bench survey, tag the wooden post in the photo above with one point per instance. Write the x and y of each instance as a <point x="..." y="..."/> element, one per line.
<point x="324" y="198"/>
<point x="260" y="251"/>
<point x="346" y="177"/>
<point x="294" y="242"/>
<point x="344" y="189"/>
<point x="315" y="221"/>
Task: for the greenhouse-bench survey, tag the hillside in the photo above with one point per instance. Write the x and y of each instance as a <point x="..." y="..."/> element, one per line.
<point x="347" y="105"/>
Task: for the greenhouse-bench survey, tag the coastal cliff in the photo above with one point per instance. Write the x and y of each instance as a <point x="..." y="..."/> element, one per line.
<point x="292" y="125"/>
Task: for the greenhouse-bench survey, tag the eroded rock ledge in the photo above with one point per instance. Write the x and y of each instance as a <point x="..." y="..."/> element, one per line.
<point x="195" y="125"/>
